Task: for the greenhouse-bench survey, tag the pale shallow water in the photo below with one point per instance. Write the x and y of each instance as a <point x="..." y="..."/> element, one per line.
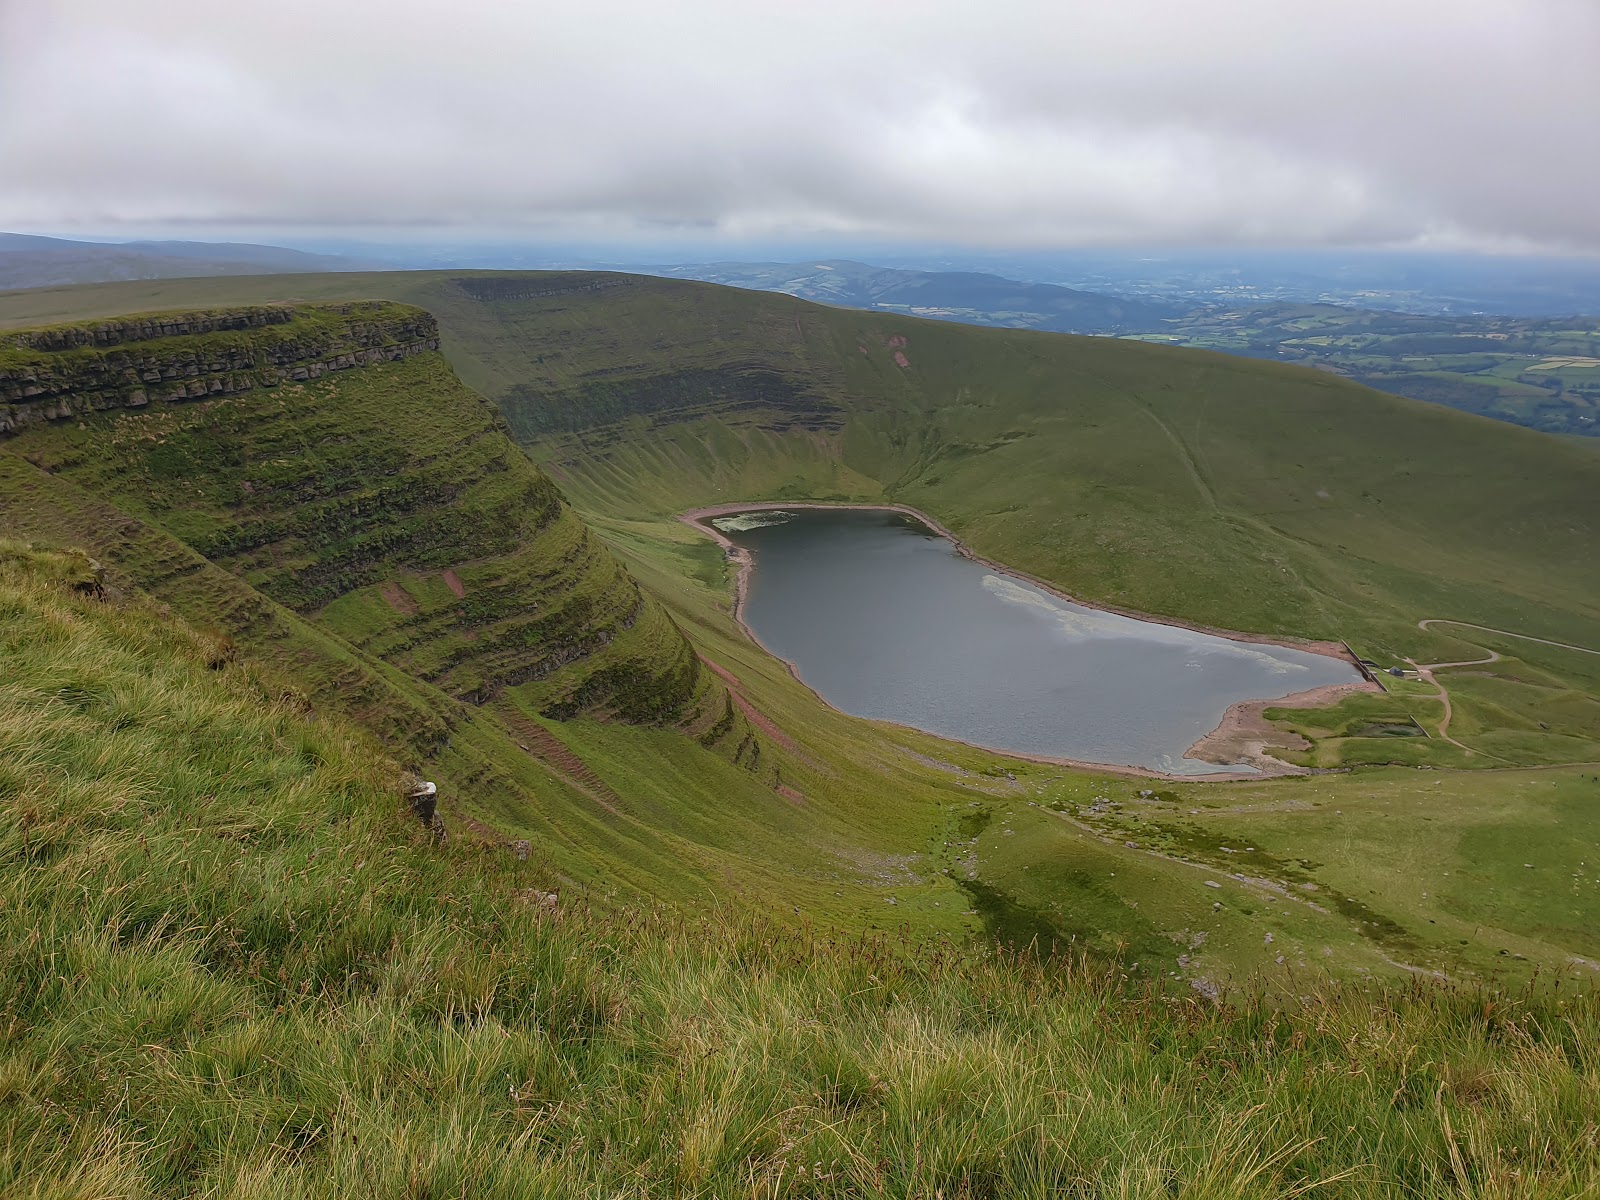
<point x="883" y="618"/>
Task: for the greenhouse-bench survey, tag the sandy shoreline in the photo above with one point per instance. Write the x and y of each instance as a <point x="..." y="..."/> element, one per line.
<point x="1239" y="739"/>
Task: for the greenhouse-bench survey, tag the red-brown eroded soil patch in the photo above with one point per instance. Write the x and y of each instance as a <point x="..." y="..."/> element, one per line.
<point x="763" y="722"/>
<point x="556" y="754"/>
<point x="752" y="714"/>
<point x="453" y="582"/>
<point x="398" y="599"/>
<point x="721" y="672"/>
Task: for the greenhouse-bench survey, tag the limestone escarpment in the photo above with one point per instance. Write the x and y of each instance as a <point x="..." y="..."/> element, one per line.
<point x="148" y="328"/>
<point x="598" y="406"/>
<point x="322" y="455"/>
<point x="55" y="374"/>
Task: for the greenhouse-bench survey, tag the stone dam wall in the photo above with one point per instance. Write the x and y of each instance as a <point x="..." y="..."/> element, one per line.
<point x="68" y="372"/>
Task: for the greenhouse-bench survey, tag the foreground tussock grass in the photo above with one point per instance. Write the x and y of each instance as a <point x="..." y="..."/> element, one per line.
<point x="231" y="966"/>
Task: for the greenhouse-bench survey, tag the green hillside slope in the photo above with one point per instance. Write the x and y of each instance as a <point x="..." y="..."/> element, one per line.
<point x="232" y="963"/>
<point x="331" y="461"/>
<point x="315" y="485"/>
<point x="1239" y="495"/>
<point x="381" y="498"/>
<point x="1090" y="462"/>
<point x="1238" y="492"/>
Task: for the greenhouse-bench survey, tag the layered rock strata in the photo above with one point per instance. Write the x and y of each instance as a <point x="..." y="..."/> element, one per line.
<point x="57" y="374"/>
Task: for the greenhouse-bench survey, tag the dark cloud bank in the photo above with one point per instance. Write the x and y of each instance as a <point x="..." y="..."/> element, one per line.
<point x="1447" y="123"/>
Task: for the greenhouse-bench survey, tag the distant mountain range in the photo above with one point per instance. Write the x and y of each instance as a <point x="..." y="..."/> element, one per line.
<point x="966" y="296"/>
<point x="27" y="261"/>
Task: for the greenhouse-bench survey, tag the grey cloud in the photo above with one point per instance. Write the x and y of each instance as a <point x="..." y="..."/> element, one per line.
<point x="1468" y="121"/>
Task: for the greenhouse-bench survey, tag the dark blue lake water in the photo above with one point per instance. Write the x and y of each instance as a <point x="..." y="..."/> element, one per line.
<point x="883" y="618"/>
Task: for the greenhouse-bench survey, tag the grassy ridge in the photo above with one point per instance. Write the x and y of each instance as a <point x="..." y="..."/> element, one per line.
<point x="234" y="965"/>
<point x="1237" y="494"/>
<point x="857" y="824"/>
<point x="1187" y="465"/>
<point x="374" y="534"/>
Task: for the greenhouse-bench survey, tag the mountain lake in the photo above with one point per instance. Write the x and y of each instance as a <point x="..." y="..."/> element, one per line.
<point x="883" y="617"/>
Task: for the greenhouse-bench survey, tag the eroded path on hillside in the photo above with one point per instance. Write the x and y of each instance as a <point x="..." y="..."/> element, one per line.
<point x="1431" y="621"/>
<point x="1425" y="671"/>
<point x="562" y="759"/>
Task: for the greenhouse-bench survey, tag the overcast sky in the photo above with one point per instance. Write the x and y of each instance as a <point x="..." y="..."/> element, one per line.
<point x="988" y="122"/>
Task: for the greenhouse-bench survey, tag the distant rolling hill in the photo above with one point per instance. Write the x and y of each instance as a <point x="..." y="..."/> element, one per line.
<point x="968" y="296"/>
<point x="1201" y="486"/>
<point x="1496" y="366"/>
<point x="1542" y="372"/>
<point x="28" y="261"/>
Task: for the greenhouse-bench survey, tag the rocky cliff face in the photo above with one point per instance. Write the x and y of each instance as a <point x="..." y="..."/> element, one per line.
<point x="56" y="374"/>
<point x="324" y="456"/>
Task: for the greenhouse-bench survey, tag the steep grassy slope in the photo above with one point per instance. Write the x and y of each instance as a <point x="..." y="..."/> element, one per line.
<point x="333" y="488"/>
<point x="370" y="528"/>
<point x="232" y="964"/>
<point x="648" y="397"/>
<point x="1181" y="482"/>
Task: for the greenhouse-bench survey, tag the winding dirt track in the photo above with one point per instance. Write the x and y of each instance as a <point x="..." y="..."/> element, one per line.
<point x="1425" y="670"/>
<point x="1425" y="673"/>
<point x="1423" y="625"/>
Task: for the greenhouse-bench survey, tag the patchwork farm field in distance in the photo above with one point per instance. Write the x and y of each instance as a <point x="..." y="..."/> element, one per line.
<point x="1540" y="372"/>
